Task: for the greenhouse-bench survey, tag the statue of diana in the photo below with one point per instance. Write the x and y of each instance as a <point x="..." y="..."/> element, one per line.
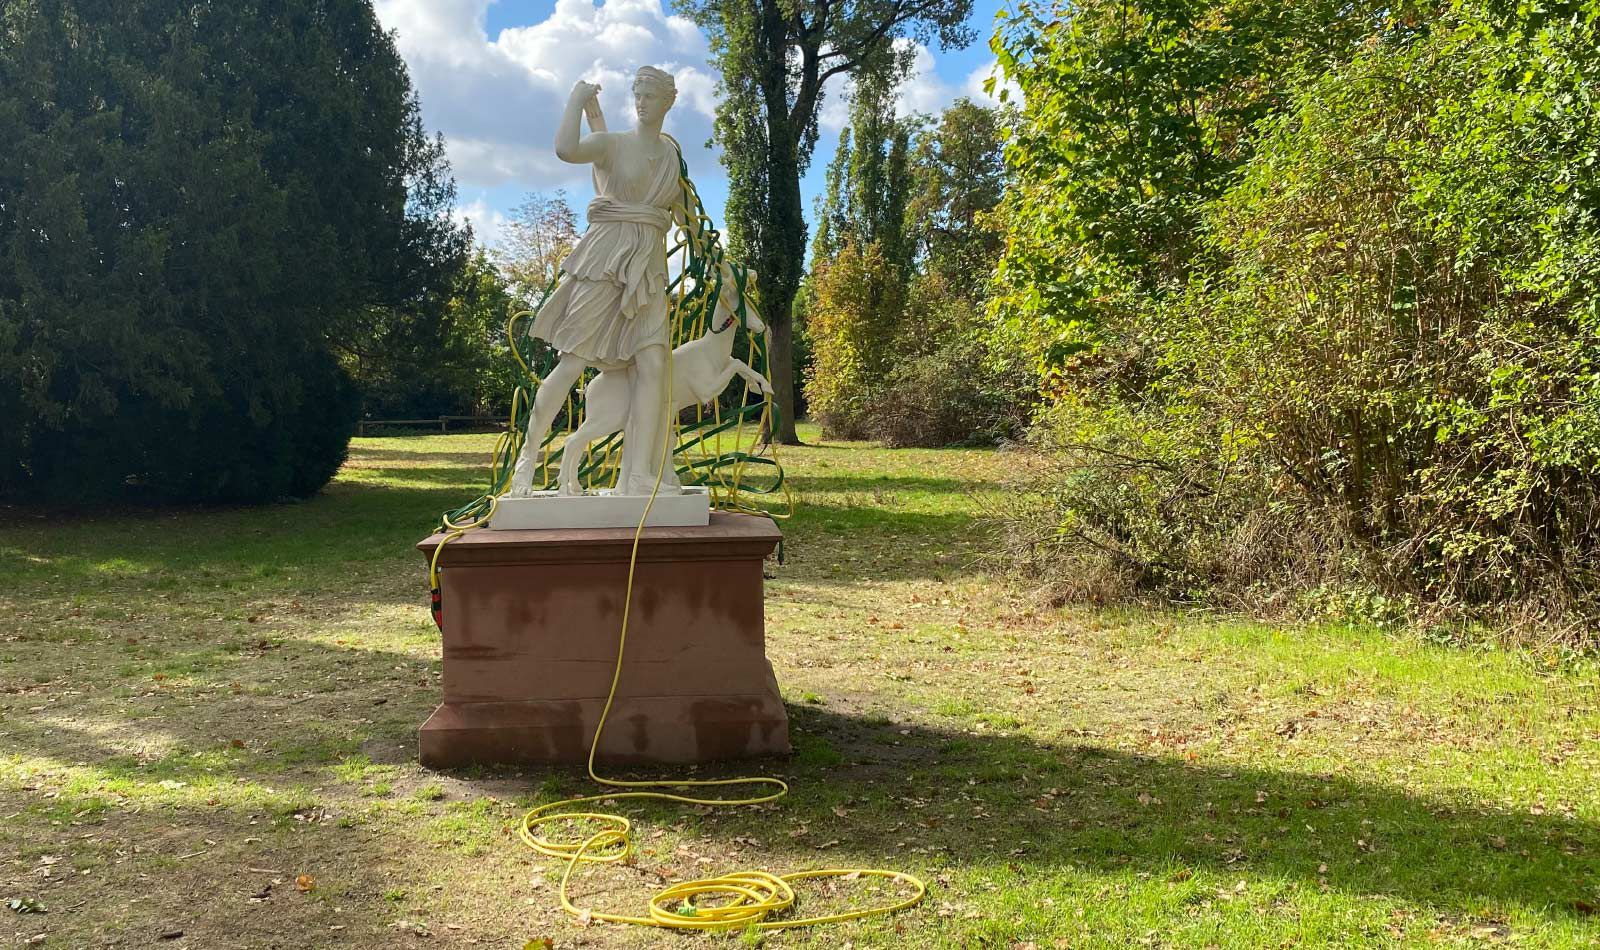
<point x="609" y="308"/>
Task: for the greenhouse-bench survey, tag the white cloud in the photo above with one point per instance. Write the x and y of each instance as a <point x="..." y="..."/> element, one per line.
<point x="498" y="100"/>
<point x="924" y="90"/>
<point x="973" y="88"/>
<point x="488" y="224"/>
<point x="835" y="112"/>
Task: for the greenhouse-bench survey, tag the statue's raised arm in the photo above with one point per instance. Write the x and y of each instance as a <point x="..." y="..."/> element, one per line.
<point x="571" y="144"/>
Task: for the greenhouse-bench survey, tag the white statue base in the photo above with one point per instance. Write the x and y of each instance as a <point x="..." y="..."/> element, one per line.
<point x="689" y="506"/>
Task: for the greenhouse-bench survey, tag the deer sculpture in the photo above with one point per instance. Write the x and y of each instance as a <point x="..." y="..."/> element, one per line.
<point x="701" y="370"/>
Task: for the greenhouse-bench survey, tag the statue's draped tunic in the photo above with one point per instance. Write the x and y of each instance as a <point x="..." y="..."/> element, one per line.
<point x="611" y="301"/>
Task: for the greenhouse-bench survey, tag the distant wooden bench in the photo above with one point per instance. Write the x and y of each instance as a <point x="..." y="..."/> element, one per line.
<point x="443" y="422"/>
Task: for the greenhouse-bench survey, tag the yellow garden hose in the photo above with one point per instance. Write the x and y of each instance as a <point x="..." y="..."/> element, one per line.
<point x="748" y="898"/>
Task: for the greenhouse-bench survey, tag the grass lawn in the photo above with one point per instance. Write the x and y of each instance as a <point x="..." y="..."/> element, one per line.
<point x="197" y="708"/>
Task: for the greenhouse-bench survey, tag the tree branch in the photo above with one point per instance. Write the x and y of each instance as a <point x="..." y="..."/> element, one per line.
<point x="805" y="99"/>
<point x="899" y="15"/>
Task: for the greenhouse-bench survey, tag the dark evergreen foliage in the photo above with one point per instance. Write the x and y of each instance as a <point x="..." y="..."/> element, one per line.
<point x="203" y="208"/>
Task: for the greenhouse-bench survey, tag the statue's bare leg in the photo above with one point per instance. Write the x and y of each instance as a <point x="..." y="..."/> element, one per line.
<point x="547" y="402"/>
<point x="647" y="425"/>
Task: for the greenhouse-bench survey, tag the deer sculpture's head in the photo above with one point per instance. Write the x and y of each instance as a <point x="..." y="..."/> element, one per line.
<point x="738" y="283"/>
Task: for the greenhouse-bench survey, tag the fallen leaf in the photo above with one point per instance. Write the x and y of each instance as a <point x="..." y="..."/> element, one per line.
<point x="541" y="943"/>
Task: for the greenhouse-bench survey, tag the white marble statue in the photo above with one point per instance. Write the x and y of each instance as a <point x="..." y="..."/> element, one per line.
<point x="609" y="309"/>
<point x="701" y="370"/>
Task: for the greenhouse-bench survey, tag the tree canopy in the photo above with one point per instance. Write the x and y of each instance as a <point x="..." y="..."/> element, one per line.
<point x="776" y="58"/>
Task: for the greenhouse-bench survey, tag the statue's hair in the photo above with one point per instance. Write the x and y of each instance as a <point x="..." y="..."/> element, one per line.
<point x="658" y="79"/>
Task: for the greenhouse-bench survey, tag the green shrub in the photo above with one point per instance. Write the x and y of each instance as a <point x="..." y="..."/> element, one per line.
<point x="1407" y="309"/>
<point x="216" y="450"/>
<point x="852" y="322"/>
<point x="1381" y="383"/>
<point x="948" y="386"/>
<point x="1132" y="503"/>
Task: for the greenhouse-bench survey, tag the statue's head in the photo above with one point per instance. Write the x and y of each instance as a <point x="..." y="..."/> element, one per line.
<point x="654" y="91"/>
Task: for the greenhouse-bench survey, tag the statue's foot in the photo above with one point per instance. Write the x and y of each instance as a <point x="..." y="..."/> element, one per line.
<point x="521" y="479"/>
<point x="569" y="490"/>
<point x="645" y="485"/>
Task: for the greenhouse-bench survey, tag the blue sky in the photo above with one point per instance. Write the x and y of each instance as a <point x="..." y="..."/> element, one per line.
<point x="493" y="75"/>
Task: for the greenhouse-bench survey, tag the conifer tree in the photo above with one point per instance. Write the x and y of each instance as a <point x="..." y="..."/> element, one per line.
<point x="205" y="207"/>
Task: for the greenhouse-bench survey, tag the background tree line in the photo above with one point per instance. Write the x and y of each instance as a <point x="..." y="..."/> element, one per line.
<point x="1299" y="303"/>
<point x="893" y="309"/>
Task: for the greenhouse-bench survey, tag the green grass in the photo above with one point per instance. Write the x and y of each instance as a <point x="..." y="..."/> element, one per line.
<point x="197" y="707"/>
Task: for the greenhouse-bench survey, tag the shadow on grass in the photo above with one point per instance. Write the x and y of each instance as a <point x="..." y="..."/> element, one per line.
<point x="348" y="523"/>
<point x="1020" y="803"/>
<point x="1080" y="804"/>
<point x="974" y="799"/>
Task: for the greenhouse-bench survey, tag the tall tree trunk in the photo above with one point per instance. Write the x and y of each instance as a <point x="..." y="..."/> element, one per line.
<point x="780" y="277"/>
<point x="783" y="239"/>
<point x="783" y="381"/>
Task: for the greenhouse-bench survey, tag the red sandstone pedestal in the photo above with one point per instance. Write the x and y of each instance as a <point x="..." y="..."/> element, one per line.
<point x="531" y="620"/>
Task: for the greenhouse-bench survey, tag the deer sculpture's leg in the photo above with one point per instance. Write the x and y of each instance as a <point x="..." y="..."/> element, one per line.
<point x="755" y="379"/>
<point x="547" y="403"/>
<point x="572" y="453"/>
<point x="605" y="408"/>
<point x="705" y="394"/>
